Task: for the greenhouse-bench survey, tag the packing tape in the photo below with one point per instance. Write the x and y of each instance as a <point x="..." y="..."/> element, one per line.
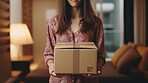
<point x="76" y="59"/>
<point x="74" y="45"/>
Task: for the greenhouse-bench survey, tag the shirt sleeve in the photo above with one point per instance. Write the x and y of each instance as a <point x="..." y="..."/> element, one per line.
<point x="50" y="44"/>
<point x="100" y="41"/>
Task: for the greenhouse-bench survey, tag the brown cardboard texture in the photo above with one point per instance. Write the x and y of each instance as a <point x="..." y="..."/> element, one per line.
<point x="75" y="58"/>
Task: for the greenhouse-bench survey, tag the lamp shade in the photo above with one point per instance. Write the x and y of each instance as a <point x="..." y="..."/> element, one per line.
<point x="19" y="34"/>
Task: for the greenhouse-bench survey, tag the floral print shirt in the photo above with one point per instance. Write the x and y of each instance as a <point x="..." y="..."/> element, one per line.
<point x="53" y="38"/>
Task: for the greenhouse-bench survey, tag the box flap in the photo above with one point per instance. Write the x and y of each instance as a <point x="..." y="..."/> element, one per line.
<point x="71" y="45"/>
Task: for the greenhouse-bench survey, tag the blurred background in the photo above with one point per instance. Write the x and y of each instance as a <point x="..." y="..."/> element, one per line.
<point x="123" y="21"/>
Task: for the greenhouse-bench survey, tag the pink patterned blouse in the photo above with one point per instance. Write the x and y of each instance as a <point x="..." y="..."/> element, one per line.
<point x="53" y="38"/>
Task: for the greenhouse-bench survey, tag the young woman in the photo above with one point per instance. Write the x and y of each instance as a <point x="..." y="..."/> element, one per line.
<point x="76" y="22"/>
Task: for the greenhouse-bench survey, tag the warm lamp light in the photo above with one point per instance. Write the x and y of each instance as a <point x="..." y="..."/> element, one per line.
<point x="19" y="35"/>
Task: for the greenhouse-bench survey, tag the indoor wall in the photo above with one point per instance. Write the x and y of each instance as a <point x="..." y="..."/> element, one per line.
<point x="42" y="12"/>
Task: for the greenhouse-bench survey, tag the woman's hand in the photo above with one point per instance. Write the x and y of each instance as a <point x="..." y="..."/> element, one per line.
<point x="51" y="66"/>
<point x="51" y="69"/>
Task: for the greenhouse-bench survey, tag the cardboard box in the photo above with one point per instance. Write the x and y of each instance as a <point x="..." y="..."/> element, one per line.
<point x="75" y="58"/>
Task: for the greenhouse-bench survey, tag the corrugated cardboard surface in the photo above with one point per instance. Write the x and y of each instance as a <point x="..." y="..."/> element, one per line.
<point x="75" y="58"/>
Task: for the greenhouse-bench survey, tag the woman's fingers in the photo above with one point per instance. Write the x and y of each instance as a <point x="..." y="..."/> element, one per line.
<point x="57" y="75"/>
<point x="93" y="75"/>
<point x="99" y="72"/>
<point x="87" y="75"/>
<point x="84" y="75"/>
<point x="51" y="71"/>
<point x="51" y="68"/>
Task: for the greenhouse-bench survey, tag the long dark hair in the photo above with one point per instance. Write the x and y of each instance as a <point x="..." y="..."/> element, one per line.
<point x="86" y="11"/>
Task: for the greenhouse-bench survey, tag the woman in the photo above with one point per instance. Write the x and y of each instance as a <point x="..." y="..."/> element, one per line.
<point x="76" y="22"/>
